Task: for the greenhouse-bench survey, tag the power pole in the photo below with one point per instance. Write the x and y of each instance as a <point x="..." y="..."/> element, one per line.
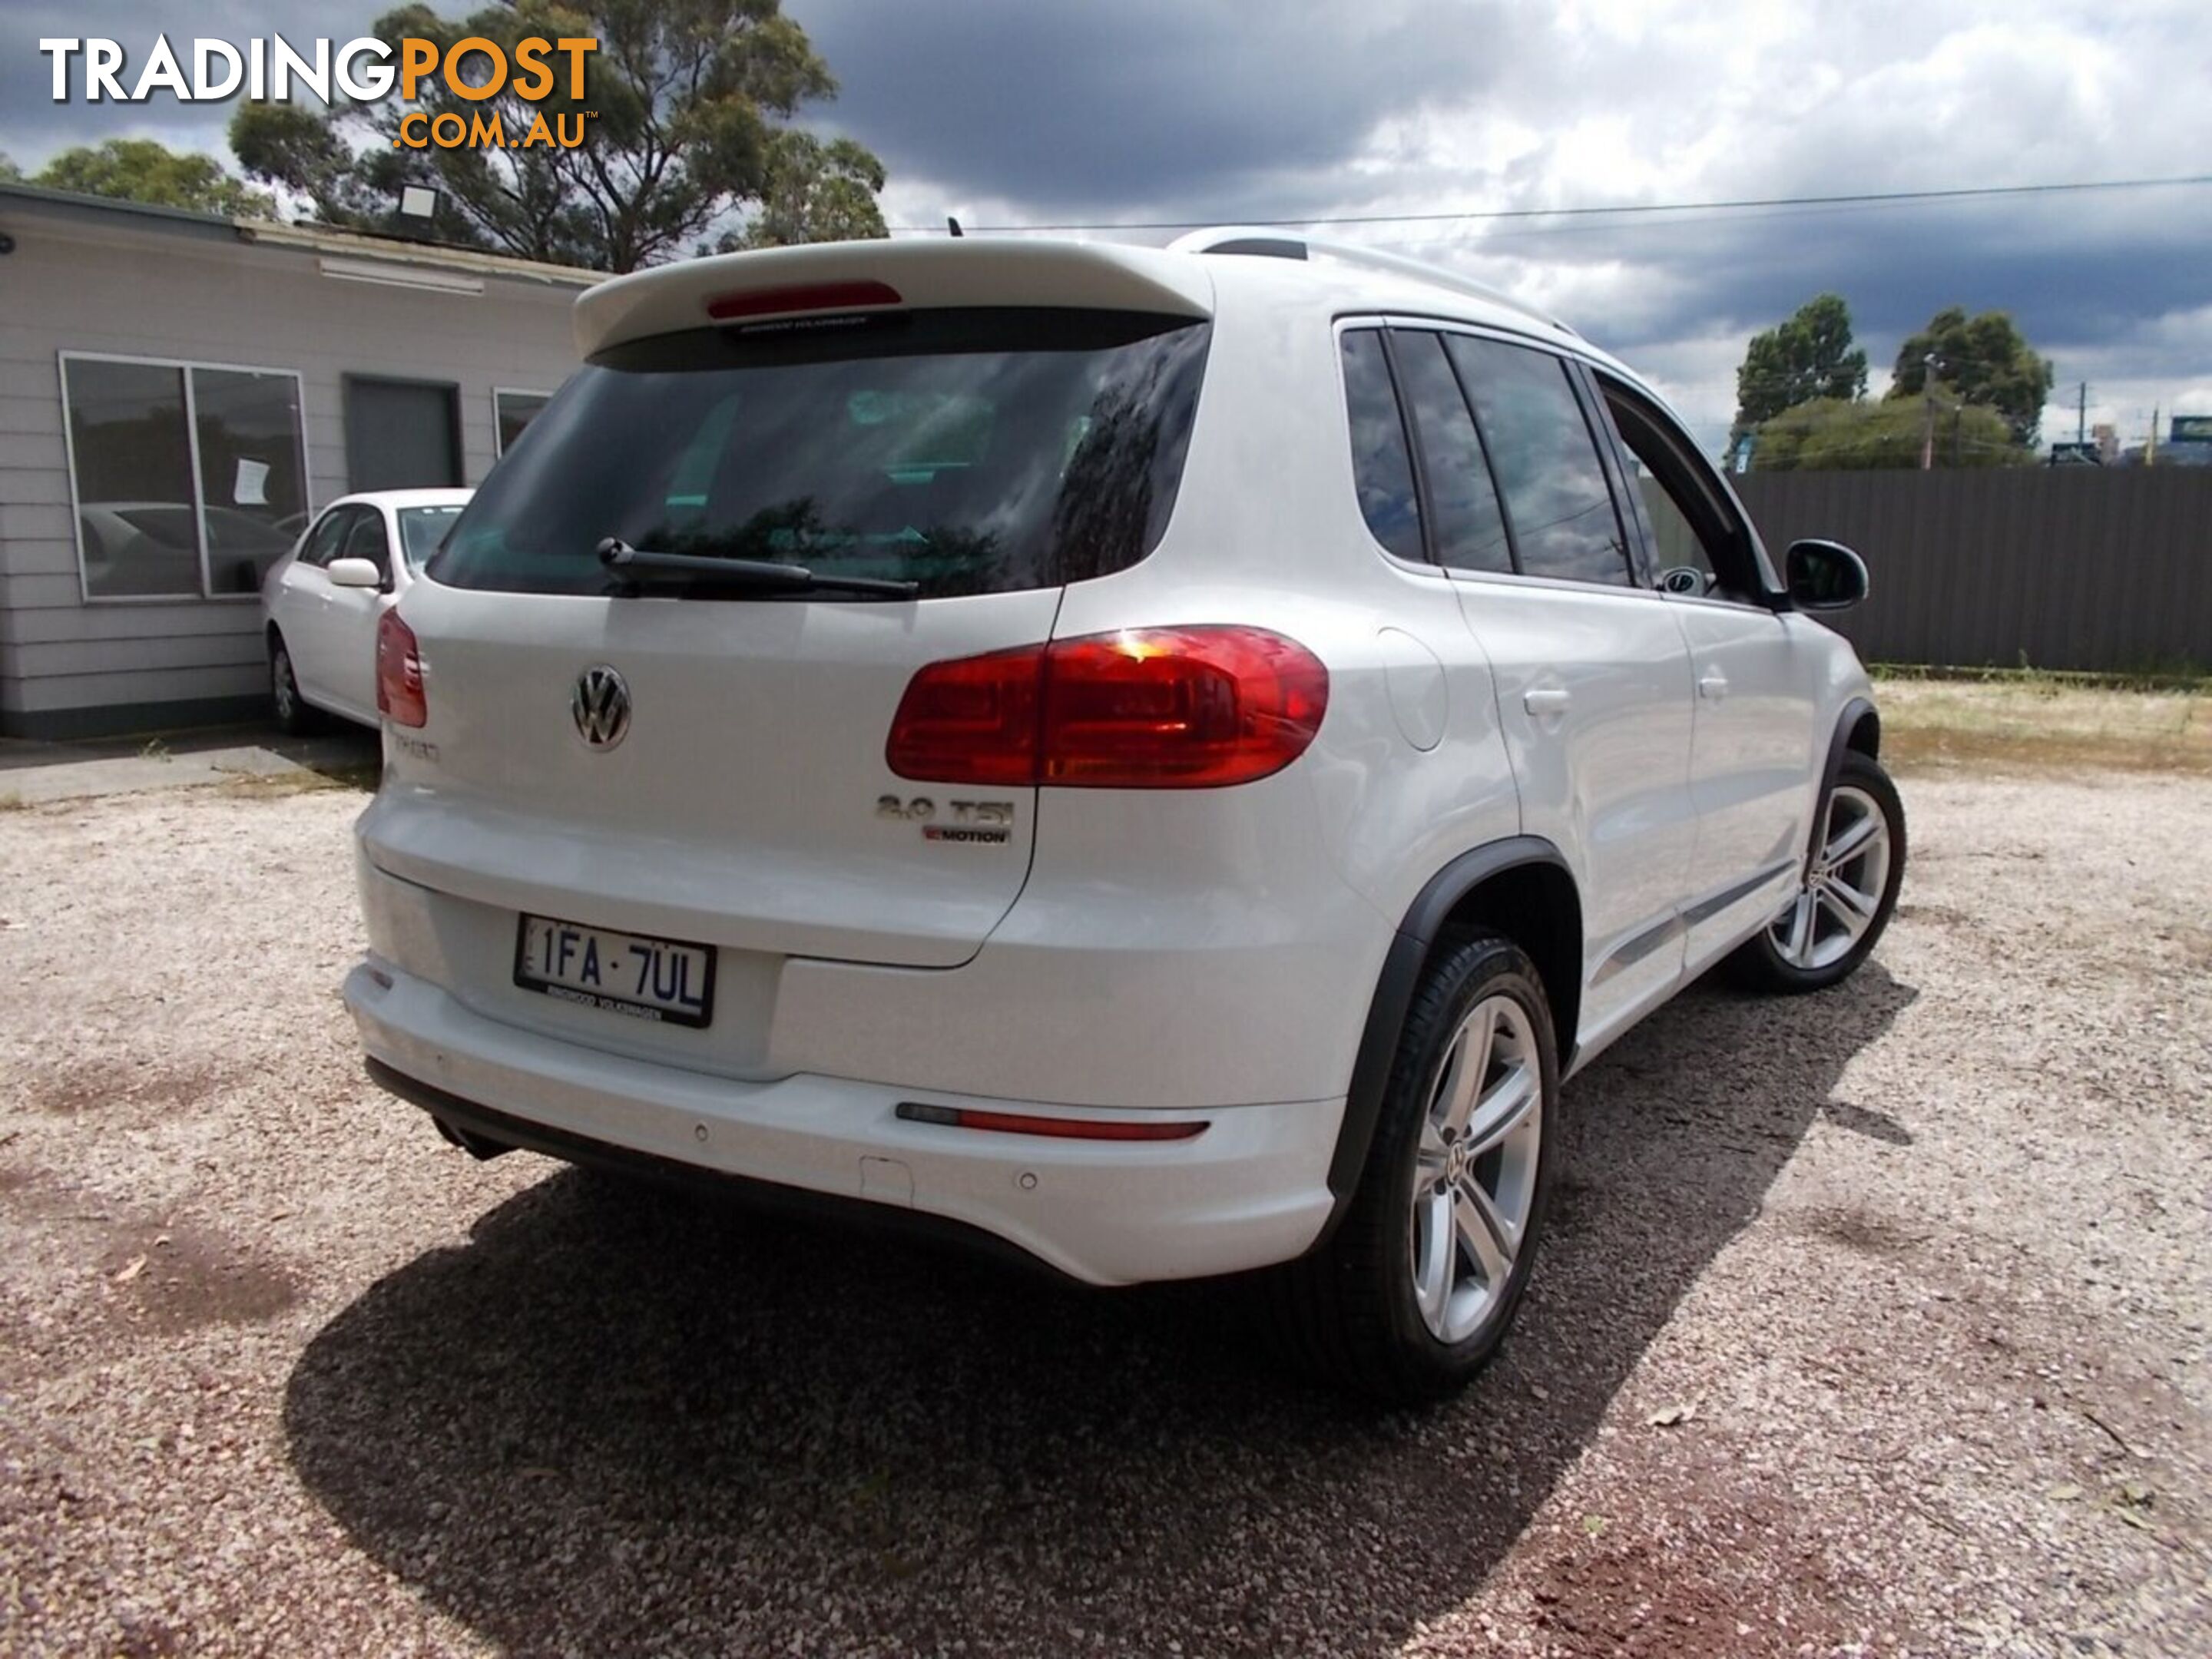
<point x="1928" y="366"/>
<point x="2081" y="419"/>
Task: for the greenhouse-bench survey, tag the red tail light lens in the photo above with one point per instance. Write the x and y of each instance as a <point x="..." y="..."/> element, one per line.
<point x="971" y="720"/>
<point x="399" y="695"/>
<point x="1053" y="1128"/>
<point x="1145" y="708"/>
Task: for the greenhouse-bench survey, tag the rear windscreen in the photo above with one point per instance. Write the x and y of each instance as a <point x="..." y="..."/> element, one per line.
<point x="968" y="452"/>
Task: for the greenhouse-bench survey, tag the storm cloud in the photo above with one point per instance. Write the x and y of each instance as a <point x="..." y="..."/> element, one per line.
<point x="1026" y="113"/>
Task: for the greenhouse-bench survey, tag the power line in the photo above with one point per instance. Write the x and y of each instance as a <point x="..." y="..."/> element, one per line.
<point x="1495" y="215"/>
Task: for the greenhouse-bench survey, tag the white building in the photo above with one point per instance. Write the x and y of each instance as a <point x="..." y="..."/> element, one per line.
<point x="178" y="391"/>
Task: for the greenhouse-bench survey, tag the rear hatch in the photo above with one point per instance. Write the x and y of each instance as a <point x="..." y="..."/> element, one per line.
<point x="680" y="753"/>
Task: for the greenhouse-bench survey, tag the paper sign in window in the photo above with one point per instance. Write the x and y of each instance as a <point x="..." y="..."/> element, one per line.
<point x="251" y="487"/>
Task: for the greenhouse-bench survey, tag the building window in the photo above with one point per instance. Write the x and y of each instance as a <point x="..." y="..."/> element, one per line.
<point x="513" y="411"/>
<point x="190" y="479"/>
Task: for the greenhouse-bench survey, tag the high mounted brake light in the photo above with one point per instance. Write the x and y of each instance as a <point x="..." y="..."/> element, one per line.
<point x="855" y="295"/>
<point x="1143" y="708"/>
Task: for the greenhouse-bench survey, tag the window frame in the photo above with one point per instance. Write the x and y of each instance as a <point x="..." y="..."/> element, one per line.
<point x="1587" y="397"/>
<point x="498" y="445"/>
<point x="1748" y="551"/>
<point x="336" y="513"/>
<point x="64" y="357"/>
<point x="1572" y="372"/>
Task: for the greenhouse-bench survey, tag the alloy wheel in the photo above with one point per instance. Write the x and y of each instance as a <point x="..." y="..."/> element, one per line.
<point x="1843" y="884"/>
<point x="1474" y="1172"/>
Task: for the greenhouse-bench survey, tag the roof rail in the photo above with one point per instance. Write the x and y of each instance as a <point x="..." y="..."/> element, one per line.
<point x="1279" y="245"/>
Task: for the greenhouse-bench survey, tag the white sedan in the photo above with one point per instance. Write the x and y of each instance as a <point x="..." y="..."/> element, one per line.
<point x="320" y="602"/>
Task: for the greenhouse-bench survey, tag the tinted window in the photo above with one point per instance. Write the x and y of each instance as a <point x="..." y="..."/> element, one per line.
<point x="1547" y="466"/>
<point x="1470" y="531"/>
<point x="1382" y="466"/>
<point x="971" y="452"/>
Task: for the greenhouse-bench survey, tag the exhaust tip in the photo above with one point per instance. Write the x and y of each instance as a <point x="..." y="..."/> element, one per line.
<point x="475" y="1145"/>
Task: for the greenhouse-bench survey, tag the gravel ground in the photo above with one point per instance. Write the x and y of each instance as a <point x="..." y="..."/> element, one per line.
<point x="1874" y="1322"/>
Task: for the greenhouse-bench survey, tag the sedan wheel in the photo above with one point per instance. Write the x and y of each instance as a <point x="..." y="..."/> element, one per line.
<point x="293" y="714"/>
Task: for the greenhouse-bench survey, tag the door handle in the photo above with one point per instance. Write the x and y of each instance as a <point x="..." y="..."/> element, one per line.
<point x="1547" y="700"/>
<point x="1713" y="684"/>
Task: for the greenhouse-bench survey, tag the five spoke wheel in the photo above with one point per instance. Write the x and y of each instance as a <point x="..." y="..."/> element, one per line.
<point x="1843" y="883"/>
<point x="1475" y="1169"/>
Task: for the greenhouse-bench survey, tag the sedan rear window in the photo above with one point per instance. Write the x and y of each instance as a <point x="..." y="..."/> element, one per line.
<point x="421" y="529"/>
<point x="965" y="451"/>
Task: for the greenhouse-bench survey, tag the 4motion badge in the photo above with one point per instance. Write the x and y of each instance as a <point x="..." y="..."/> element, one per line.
<point x="990" y="823"/>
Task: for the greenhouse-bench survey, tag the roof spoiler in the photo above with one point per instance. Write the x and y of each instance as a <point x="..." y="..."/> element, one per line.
<point x="840" y="278"/>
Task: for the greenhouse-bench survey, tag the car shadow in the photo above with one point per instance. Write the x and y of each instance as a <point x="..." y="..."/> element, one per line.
<point x="619" y="1419"/>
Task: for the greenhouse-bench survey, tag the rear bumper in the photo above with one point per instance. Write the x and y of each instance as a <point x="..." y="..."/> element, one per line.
<point x="1250" y="1190"/>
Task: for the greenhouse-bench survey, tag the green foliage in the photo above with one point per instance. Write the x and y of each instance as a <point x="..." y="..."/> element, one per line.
<point x="1836" y="435"/>
<point x="141" y="170"/>
<point x="1809" y="357"/>
<point x="813" y="192"/>
<point x="10" y="172"/>
<point x="1983" y="360"/>
<point x="307" y="153"/>
<point x="688" y="101"/>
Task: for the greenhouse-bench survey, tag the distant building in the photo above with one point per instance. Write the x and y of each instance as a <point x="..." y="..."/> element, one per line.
<point x="180" y="392"/>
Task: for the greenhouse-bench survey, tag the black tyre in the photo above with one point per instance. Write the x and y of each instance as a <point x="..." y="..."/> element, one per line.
<point x="1416" y="1288"/>
<point x="1849" y="893"/>
<point x="294" y="714"/>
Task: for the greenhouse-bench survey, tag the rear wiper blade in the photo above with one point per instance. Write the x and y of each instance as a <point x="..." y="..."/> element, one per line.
<point x="760" y="575"/>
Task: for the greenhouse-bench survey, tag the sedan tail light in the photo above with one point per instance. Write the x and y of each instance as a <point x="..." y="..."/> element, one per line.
<point x="399" y="695"/>
<point x="1144" y="708"/>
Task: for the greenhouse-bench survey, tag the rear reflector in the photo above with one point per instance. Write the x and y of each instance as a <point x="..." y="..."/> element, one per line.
<point x="810" y="296"/>
<point x="1058" y="1128"/>
<point x="400" y="697"/>
<point x="1145" y="708"/>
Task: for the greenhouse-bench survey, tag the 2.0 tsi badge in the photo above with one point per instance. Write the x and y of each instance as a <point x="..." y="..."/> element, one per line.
<point x="600" y="707"/>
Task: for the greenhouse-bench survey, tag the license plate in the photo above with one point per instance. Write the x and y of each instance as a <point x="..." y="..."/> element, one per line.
<point x="656" y="979"/>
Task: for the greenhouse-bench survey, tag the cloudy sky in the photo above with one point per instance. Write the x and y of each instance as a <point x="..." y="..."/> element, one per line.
<point x="1048" y="112"/>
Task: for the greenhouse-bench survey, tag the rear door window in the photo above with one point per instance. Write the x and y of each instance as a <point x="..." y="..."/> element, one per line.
<point x="967" y="451"/>
<point x="1565" y="522"/>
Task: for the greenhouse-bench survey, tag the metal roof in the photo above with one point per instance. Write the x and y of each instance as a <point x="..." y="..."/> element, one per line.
<point x="301" y="238"/>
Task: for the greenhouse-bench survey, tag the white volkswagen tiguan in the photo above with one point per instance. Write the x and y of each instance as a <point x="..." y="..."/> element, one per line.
<point x="1166" y="759"/>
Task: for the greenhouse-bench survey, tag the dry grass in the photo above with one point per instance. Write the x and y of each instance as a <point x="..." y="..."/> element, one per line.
<point x="2042" y="725"/>
<point x="300" y="780"/>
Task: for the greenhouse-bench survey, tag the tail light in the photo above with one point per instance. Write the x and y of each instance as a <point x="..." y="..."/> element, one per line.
<point x="399" y="695"/>
<point x="811" y="296"/>
<point x="1144" y="708"/>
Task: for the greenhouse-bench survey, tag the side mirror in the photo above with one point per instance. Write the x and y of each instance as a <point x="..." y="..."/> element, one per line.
<point x="363" y="573"/>
<point x="1826" y="576"/>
